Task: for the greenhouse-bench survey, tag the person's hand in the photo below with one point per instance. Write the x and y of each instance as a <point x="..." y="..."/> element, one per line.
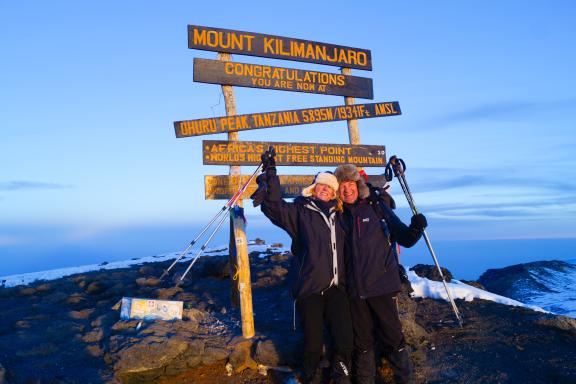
<point x="419" y="221"/>
<point x="375" y="193"/>
<point x="269" y="162"/>
<point x="260" y="194"/>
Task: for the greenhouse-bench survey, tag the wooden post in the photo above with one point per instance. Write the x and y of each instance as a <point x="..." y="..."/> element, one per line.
<point x="238" y="233"/>
<point x="353" y="133"/>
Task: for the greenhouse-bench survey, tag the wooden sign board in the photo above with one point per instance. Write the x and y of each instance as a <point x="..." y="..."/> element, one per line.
<point x="284" y="118"/>
<point x="279" y="78"/>
<point x="277" y="47"/>
<point x="224" y="187"/>
<point x="296" y="154"/>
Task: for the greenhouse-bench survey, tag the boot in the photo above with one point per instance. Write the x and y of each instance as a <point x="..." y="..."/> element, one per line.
<point x="364" y="366"/>
<point x="401" y="365"/>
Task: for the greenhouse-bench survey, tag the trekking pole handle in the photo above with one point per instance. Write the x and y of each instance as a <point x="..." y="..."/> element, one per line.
<point x="395" y="167"/>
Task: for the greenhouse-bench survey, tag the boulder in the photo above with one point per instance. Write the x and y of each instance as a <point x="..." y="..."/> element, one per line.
<point x="267" y="354"/>
<point x="241" y="357"/>
<point x="147" y="360"/>
<point x="95" y="288"/>
<point x="214" y="354"/>
<point x="80" y="315"/>
<point x="431" y="272"/>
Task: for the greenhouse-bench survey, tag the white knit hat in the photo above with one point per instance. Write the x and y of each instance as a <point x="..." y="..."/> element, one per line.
<point x="322" y="178"/>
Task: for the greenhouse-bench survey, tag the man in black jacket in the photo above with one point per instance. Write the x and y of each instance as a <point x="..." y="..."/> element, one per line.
<point x="318" y="268"/>
<point x="373" y="275"/>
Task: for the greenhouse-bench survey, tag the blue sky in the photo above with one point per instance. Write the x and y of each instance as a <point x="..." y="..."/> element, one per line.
<point x="90" y="90"/>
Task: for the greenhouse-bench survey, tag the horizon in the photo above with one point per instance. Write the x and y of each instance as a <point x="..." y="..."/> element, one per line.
<point x="90" y="93"/>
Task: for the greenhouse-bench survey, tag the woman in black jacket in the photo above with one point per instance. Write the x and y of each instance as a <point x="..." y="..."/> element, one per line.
<point x="318" y="268"/>
<point x="373" y="275"/>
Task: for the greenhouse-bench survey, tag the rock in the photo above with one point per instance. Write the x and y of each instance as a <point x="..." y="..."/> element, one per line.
<point x="267" y="354"/>
<point x="93" y="336"/>
<point x="563" y="323"/>
<point x="474" y="284"/>
<point x="278" y="271"/>
<point x="95" y="288"/>
<point x="147" y="361"/>
<point x="168" y="293"/>
<point x="195" y="353"/>
<point x="241" y="358"/>
<point x="276" y="245"/>
<point x="431" y="272"/>
<point x="148" y="282"/>
<point x="146" y="270"/>
<point x="214" y="354"/>
<point x="80" y="315"/>
<point x="279" y="257"/>
<point x="75" y="298"/>
<point x="258" y="241"/>
<point x="193" y="314"/>
<point x="44" y="288"/>
<point x="94" y="350"/>
<point x="125" y="325"/>
<point x="28" y="291"/>
<point x="105" y="320"/>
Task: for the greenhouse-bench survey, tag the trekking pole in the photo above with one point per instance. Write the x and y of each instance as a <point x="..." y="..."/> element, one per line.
<point x="167" y="270"/>
<point x="228" y="207"/>
<point x="397" y="167"/>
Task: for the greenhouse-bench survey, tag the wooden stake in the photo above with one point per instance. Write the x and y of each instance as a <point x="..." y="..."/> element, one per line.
<point x="238" y="232"/>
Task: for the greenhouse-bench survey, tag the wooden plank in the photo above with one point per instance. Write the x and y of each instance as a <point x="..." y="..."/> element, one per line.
<point x="280" y="78"/>
<point x="223" y="124"/>
<point x="277" y="47"/>
<point x="221" y="152"/>
<point x="222" y="187"/>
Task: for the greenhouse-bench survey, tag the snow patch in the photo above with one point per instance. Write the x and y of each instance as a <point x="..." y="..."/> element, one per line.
<point x="435" y="290"/>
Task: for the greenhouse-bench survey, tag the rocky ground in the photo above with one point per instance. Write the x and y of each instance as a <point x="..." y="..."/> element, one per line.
<point x="69" y="331"/>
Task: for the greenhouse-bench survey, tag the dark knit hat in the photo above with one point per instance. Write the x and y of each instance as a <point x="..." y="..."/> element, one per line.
<point x="349" y="172"/>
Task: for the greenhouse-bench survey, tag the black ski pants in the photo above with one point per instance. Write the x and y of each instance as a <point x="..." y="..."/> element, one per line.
<point x="329" y="309"/>
<point x="379" y="316"/>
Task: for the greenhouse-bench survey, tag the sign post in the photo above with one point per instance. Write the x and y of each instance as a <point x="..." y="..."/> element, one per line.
<point x="353" y="133"/>
<point x="243" y="288"/>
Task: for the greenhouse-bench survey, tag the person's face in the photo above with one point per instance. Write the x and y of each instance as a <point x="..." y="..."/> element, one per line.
<point x="323" y="192"/>
<point x="348" y="192"/>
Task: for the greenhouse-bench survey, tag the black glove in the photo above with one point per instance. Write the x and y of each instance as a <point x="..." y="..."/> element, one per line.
<point x="419" y="222"/>
<point x="260" y="194"/>
<point x="269" y="162"/>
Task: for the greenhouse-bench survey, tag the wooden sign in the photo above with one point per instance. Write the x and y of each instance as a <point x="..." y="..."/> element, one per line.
<point x="285" y="79"/>
<point x="283" y="118"/>
<point x="224" y="187"/>
<point x="277" y="47"/>
<point x="296" y="154"/>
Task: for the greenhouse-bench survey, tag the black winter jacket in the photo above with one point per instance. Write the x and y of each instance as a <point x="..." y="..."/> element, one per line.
<point x="317" y="241"/>
<point x="372" y="260"/>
